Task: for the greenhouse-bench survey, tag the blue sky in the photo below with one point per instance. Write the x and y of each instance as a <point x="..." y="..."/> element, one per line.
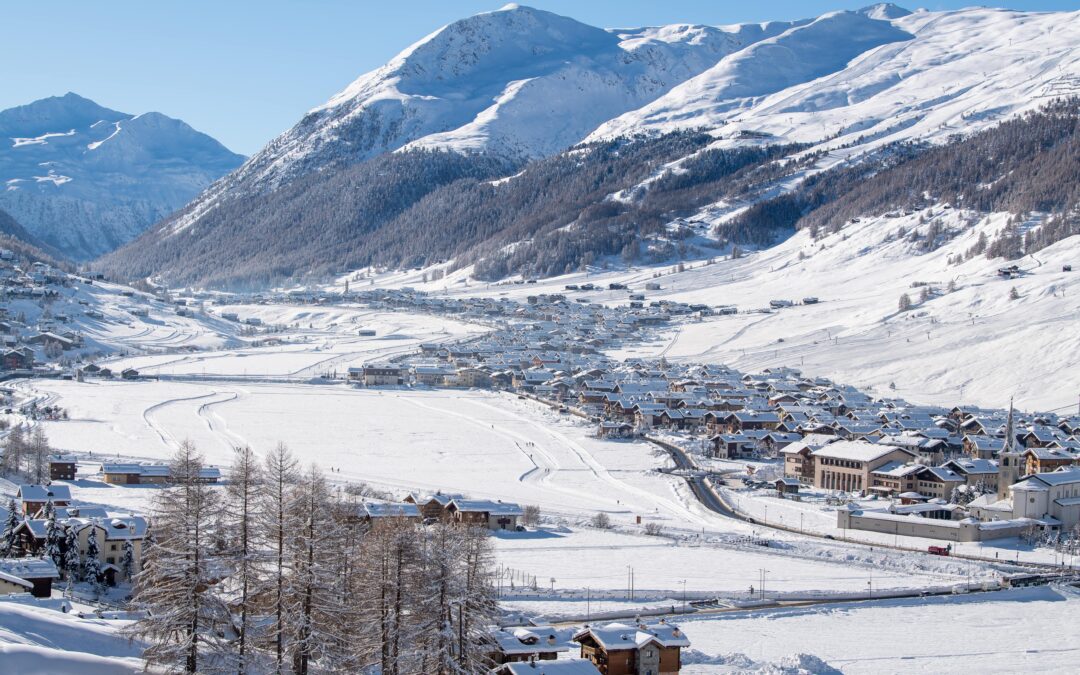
<point x="246" y="71"/>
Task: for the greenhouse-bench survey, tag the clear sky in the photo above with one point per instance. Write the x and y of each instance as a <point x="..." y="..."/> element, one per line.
<point x="244" y="71"/>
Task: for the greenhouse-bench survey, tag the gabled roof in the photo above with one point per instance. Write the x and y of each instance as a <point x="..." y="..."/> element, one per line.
<point x="43" y="493"/>
<point x="25" y="569"/>
<point x="494" y="508"/>
<point x="621" y="636"/>
<point x="387" y="510"/>
<point x="859" y="451"/>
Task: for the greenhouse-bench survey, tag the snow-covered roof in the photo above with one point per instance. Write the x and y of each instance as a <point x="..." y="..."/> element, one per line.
<point x="388" y="510"/>
<point x="621" y="636"/>
<point x="494" y="508"/>
<point x="561" y="667"/>
<point x="859" y="451"/>
<point x="29" y="568"/>
<point x="43" y="493"/>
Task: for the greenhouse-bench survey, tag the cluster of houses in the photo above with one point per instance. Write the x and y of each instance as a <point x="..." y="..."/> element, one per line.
<point x="29" y="569"/>
<point x="612" y="649"/>
<point x="831" y="437"/>
<point x="26" y="343"/>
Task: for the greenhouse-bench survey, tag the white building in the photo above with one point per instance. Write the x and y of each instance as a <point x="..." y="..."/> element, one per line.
<point x="1048" y="497"/>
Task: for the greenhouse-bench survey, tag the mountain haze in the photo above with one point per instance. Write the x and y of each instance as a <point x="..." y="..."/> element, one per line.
<point x="87" y="179"/>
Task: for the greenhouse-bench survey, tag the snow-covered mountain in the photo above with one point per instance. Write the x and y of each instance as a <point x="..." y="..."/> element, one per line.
<point x="516" y="81"/>
<point x="87" y="179"/>
<point x="829" y="80"/>
<point x="524" y="84"/>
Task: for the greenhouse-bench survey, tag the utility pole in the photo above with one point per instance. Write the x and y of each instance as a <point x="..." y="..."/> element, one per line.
<point x="761" y="583"/>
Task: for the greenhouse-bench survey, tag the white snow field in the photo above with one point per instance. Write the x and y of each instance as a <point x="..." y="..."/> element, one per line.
<point x="320" y="340"/>
<point x="37" y="638"/>
<point x="484" y="445"/>
<point x="1016" y="631"/>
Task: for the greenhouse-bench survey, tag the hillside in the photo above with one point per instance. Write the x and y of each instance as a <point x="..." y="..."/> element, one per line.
<point x="500" y="96"/>
<point x="86" y="179"/>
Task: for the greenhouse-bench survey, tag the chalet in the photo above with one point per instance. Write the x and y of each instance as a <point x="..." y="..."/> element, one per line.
<point x="434" y="507"/>
<point x="751" y="419"/>
<point x="62" y="467"/>
<point x="526" y="643"/>
<point x="623" y="649"/>
<point x="977" y="473"/>
<point x="112" y="534"/>
<point x="733" y="446"/>
<point x="129" y="374"/>
<point x="1044" y="460"/>
<point x="371" y="513"/>
<point x="937" y="482"/>
<point x="978" y="446"/>
<point x="376" y="375"/>
<point x="494" y="515"/>
<point x="33" y="498"/>
<point x="432" y="375"/>
<point x="27" y="575"/>
<point x="615" y="430"/>
<point x="17" y="359"/>
<point x="894" y="478"/>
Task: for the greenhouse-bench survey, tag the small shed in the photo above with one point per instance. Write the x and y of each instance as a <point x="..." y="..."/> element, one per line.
<point x="787" y="486"/>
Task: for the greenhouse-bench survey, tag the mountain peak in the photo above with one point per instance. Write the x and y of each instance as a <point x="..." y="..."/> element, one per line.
<point x="885" y="11"/>
<point x="54" y="114"/>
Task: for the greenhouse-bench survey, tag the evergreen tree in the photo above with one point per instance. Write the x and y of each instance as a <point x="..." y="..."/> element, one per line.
<point x="127" y="562"/>
<point x="91" y="571"/>
<point x="53" y="537"/>
<point x="72" y="562"/>
<point x="7" y="537"/>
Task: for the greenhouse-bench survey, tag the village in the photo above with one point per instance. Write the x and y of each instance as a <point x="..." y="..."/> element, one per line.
<point x="952" y="476"/>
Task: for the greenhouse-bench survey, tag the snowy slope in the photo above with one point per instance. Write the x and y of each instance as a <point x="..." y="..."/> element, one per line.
<point x="87" y="179"/>
<point x="959" y="71"/>
<point x="518" y="81"/>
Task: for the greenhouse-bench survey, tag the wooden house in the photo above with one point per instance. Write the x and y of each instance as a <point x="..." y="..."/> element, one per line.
<point x="624" y="649"/>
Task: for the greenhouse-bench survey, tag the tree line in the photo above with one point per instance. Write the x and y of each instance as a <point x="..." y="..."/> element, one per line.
<point x="276" y="573"/>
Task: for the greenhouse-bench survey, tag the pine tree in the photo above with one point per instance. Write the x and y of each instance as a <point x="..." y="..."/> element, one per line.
<point x="7" y="537"/>
<point x="127" y="562"/>
<point x="177" y="587"/>
<point x="37" y="459"/>
<point x="14" y="449"/>
<point x="274" y="507"/>
<point x="72" y="562"/>
<point x="313" y="614"/>
<point x="53" y="537"/>
<point x="91" y="571"/>
<point x="244" y="545"/>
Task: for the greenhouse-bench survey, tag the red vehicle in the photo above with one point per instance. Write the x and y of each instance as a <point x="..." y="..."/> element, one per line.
<point x="939" y="550"/>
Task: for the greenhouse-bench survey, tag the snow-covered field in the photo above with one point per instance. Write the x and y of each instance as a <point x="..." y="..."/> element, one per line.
<point x="37" y="638"/>
<point x="484" y="445"/>
<point x="1023" y="630"/>
<point x="320" y="340"/>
